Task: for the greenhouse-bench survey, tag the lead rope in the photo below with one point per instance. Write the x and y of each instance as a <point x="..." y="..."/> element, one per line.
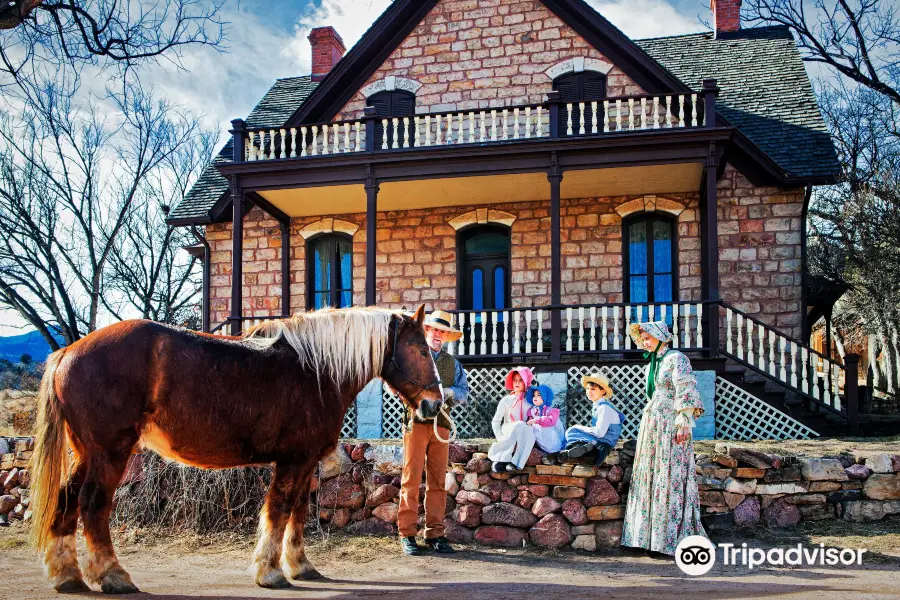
<point x="453" y="433"/>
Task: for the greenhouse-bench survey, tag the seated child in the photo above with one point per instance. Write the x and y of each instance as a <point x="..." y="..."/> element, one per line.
<point x="544" y="419"/>
<point x="515" y="438"/>
<point x="606" y="423"/>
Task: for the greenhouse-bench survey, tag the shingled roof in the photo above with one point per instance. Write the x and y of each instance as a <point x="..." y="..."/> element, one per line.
<point x="273" y="110"/>
<point x="765" y="93"/>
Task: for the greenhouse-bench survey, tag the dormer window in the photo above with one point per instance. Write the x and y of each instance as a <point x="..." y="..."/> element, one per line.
<point x="587" y="87"/>
<point x="395" y="103"/>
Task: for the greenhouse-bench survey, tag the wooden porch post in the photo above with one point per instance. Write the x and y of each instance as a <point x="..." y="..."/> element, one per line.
<point x="285" y="268"/>
<point x="709" y="226"/>
<point x="555" y="178"/>
<point x="851" y="390"/>
<point x="237" y="256"/>
<point x="238" y="130"/>
<point x="371" y="233"/>
<point x="709" y="251"/>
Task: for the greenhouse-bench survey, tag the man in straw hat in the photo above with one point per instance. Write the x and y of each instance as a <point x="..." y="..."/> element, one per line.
<point x="424" y="449"/>
<point x="606" y="422"/>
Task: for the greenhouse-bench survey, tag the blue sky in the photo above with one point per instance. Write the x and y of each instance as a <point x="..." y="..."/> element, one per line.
<point x="267" y="40"/>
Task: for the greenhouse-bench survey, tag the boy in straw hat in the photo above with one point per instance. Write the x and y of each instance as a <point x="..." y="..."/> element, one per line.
<point x="425" y="451"/>
<point x="606" y="422"/>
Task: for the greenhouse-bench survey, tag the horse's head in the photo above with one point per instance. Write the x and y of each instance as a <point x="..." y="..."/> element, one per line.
<point x="409" y="368"/>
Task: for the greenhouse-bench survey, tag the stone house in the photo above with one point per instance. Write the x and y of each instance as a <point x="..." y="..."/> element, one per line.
<point x="528" y="166"/>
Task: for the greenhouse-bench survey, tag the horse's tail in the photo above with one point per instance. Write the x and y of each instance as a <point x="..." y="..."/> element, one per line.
<point x="50" y="459"/>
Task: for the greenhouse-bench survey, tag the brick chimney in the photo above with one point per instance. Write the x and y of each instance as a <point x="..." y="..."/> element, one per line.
<point x="327" y="50"/>
<point x="726" y="15"/>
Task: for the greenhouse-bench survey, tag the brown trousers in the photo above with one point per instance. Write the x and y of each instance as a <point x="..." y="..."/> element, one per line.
<point x="422" y="450"/>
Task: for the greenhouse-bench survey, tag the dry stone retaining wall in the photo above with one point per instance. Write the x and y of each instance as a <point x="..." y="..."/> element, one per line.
<point x="580" y="506"/>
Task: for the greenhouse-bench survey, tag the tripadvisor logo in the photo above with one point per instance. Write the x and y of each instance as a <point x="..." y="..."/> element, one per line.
<point x="794" y="556"/>
<point x="696" y="555"/>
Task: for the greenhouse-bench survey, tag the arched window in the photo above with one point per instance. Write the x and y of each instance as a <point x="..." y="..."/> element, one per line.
<point x="650" y="258"/>
<point x="396" y="103"/>
<point x="329" y="269"/>
<point x="586" y="86"/>
<point x="484" y="267"/>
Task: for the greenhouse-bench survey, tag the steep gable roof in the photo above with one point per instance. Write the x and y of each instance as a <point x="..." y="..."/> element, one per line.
<point x="765" y="92"/>
<point x="402" y="16"/>
<point x="273" y="110"/>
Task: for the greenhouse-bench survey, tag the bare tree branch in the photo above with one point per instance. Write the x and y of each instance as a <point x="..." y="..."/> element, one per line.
<point x="860" y="39"/>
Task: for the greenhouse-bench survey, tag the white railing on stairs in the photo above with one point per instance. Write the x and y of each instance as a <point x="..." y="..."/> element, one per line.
<point x="784" y="359"/>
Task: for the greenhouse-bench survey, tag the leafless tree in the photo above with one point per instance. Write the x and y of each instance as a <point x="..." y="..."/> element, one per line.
<point x="855" y="225"/>
<point x="48" y="34"/>
<point x="858" y="39"/>
<point x="72" y="180"/>
<point x="154" y="277"/>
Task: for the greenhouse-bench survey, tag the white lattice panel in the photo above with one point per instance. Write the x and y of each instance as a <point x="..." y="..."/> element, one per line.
<point x="348" y="429"/>
<point x="393" y="412"/>
<point x="473" y="420"/>
<point x="742" y="416"/>
<point x="628" y="386"/>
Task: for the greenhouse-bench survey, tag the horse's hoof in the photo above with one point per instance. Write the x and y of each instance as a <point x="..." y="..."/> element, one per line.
<point x="308" y="574"/>
<point x="72" y="586"/>
<point x="273" y="580"/>
<point x="117" y="582"/>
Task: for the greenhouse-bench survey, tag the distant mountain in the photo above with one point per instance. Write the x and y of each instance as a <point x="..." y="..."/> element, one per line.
<point x="14" y="346"/>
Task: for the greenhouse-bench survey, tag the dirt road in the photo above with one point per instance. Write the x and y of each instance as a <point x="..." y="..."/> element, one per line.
<point x="372" y="568"/>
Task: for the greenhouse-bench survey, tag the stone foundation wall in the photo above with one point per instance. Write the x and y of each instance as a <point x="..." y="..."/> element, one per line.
<point x="551" y="505"/>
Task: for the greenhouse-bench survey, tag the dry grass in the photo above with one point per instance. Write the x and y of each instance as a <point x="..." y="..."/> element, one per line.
<point x="186" y="499"/>
<point x="14" y="536"/>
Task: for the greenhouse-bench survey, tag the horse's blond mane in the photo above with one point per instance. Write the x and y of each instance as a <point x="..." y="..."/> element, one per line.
<point x="346" y="344"/>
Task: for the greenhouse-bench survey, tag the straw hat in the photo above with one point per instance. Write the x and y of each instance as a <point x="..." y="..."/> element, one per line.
<point x="657" y="329"/>
<point x="440" y="319"/>
<point x="597" y="379"/>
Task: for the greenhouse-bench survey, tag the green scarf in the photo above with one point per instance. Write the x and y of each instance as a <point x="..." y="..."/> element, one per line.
<point x="654" y="366"/>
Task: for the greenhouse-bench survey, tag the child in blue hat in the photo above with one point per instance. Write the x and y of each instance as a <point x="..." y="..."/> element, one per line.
<point x="544" y="419"/>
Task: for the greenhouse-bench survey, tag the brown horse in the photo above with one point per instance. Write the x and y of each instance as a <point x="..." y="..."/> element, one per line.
<point x="277" y="395"/>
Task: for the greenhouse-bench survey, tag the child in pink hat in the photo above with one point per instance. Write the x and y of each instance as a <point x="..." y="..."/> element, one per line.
<point x="515" y="438"/>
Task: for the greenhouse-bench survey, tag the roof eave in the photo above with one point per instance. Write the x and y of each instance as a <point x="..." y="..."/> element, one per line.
<point x="616" y="46"/>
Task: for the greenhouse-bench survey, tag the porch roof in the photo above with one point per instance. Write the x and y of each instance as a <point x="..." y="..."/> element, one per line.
<point x="765" y="93"/>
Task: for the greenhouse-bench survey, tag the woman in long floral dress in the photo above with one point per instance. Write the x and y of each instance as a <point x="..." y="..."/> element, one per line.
<point x="663" y="502"/>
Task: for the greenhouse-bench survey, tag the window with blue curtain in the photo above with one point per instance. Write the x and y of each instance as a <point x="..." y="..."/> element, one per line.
<point x="484" y="268"/>
<point x="329" y="271"/>
<point x="650" y="259"/>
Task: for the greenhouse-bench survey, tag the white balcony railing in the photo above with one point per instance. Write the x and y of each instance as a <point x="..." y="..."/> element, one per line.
<point x="483" y="126"/>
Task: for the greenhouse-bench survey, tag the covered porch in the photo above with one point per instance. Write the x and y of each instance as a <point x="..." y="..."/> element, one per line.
<point x="559" y="180"/>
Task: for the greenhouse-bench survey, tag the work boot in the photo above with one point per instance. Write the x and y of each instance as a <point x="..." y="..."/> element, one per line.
<point x="579" y="450"/>
<point x="440" y="545"/>
<point x="409" y="546"/>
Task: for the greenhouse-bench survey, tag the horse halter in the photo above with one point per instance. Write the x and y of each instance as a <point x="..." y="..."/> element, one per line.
<point x="395" y="366"/>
